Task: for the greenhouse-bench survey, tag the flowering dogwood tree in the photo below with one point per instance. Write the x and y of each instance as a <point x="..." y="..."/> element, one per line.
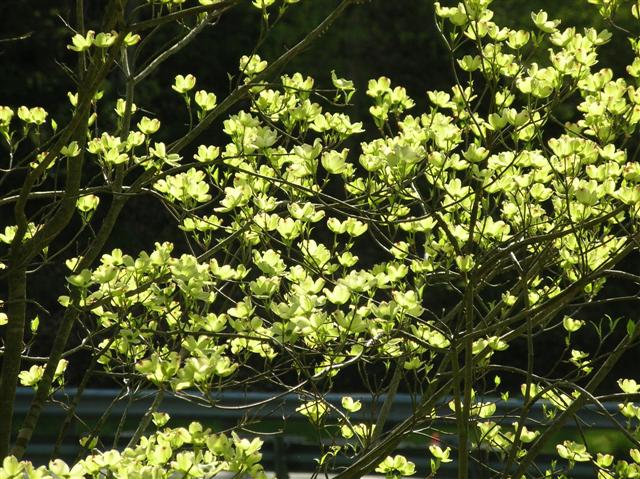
<point x="519" y="212"/>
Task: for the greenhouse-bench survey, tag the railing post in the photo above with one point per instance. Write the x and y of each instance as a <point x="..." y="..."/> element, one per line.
<point x="280" y="458"/>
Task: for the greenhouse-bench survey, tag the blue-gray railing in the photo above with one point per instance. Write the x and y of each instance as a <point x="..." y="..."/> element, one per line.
<point x="291" y="443"/>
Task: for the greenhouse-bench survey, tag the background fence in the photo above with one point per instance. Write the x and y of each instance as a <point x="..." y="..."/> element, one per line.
<point x="290" y="442"/>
